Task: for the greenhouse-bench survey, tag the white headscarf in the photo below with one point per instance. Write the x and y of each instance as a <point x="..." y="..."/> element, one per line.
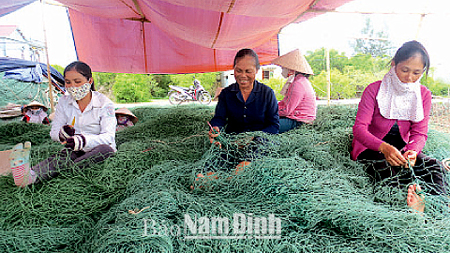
<point x="283" y="90"/>
<point x="398" y="100"/>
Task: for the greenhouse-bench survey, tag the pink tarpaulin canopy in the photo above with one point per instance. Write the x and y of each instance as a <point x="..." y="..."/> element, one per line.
<point x="181" y="36"/>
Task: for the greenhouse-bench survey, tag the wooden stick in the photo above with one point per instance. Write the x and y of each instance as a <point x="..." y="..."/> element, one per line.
<point x="49" y="74"/>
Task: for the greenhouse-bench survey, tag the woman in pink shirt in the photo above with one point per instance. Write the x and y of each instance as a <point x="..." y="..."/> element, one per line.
<point x="299" y="104"/>
<point x="392" y="123"/>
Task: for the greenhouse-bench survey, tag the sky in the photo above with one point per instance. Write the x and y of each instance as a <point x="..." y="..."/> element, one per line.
<point x="339" y="30"/>
<point x="331" y="30"/>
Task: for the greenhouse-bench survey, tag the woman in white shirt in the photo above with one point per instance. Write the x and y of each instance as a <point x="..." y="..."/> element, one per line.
<point x="84" y="123"/>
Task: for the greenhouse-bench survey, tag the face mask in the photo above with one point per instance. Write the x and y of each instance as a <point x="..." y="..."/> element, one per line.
<point x="36" y="111"/>
<point x="122" y="120"/>
<point x="79" y="93"/>
<point x="284" y="72"/>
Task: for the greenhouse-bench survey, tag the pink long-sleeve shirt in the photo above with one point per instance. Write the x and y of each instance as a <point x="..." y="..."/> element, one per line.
<point x="371" y="127"/>
<point x="300" y="101"/>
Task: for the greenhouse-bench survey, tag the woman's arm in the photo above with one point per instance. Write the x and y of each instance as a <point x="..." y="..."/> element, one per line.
<point x="107" y="133"/>
<point x="364" y="118"/>
<point x="272" y="118"/>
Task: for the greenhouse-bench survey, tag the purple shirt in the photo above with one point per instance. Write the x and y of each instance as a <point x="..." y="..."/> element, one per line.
<point x="371" y="127"/>
<point x="300" y="101"/>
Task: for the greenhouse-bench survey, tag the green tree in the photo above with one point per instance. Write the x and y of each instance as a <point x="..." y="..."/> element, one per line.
<point x="374" y="43"/>
<point x="58" y="68"/>
<point x="340" y="87"/>
<point x="437" y="87"/>
<point x="368" y="63"/>
<point x="276" y="84"/>
<point x="317" y="60"/>
<point x="104" y="83"/>
<point x="163" y="81"/>
<point x="349" y="76"/>
<point x="133" y="88"/>
<point x="207" y="80"/>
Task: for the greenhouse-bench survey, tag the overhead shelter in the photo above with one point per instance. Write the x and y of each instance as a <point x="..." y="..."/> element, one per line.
<point x="181" y="36"/>
<point x="8" y="6"/>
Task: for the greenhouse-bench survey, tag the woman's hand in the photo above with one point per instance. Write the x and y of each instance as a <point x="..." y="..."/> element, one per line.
<point x="392" y="154"/>
<point x="410" y="155"/>
<point x="66" y="132"/>
<point x="213" y="135"/>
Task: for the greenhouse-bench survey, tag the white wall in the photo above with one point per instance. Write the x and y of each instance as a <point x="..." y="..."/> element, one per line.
<point x="229" y="75"/>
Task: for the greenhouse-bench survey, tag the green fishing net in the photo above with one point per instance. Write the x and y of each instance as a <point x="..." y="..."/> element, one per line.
<point x="22" y="93"/>
<point x="140" y="199"/>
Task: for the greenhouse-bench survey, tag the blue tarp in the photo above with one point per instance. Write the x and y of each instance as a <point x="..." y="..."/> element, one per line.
<point x="28" y="71"/>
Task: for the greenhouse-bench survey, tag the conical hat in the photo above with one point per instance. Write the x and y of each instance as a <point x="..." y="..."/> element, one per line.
<point x="294" y="60"/>
<point x="125" y="111"/>
<point x="36" y="103"/>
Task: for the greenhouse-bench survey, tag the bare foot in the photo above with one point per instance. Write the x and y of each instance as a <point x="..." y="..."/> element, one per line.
<point x="414" y="200"/>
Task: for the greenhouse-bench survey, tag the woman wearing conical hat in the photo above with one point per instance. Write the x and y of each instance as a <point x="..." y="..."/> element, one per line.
<point x="125" y="118"/>
<point x="35" y="112"/>
<point x="299" y="104"/>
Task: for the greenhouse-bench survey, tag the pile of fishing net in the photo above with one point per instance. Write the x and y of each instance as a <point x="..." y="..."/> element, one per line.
<point x="20" y="92"/>
<point x="301" y="193"/>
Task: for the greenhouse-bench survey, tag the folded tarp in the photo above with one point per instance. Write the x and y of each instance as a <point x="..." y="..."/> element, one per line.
<point x="29" y="71"/>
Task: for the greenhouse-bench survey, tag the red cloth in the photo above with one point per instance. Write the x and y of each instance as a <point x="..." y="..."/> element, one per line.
<point x="181" y="36"/>
<point x="45" y="121"/>
<point x="300" y="101"/>
<point x="371" y="127"/>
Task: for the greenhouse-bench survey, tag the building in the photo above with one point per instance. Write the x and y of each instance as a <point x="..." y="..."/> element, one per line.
<point x="14" y="44"/>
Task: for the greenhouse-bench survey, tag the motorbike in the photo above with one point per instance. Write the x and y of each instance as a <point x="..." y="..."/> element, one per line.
<point x="178" y="94"/>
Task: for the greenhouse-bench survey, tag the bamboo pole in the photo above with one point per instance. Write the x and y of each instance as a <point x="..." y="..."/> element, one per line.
<point x="49" y="74"/>
<point x="327" y="52"/>
<point x="419" y="27"/>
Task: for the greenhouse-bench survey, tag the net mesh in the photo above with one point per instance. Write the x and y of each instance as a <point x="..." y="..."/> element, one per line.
<point x="137" y="200"/>
<point x="16" y="92"/>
